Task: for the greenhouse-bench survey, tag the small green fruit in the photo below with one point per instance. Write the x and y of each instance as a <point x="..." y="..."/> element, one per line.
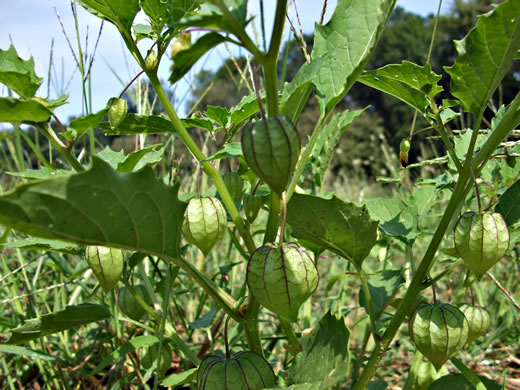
<point x="129" y="305"/>
<point x="478" y="320"/>
<point x="252" y="205"/>
<point x="151" y="354"/>
<point x="426" y="375"/>
<point x="481" y="240"/>
<point x="271" y="148"/>
<point x="205" y="223"/>
<point x="243" y="371"/>
<point x="404" y="148"/>
<point x="183" y="42"/>
<point x="234" y="184"/>
<point x="282" y="278"/>
<point x="106" y="264"/>
<point x="438" y="331"/>
<point x="117" y="109"/>
<point x="151" y="61"/>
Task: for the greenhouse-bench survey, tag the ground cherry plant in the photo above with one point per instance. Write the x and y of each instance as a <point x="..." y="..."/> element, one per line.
<point x="142" y="234"/>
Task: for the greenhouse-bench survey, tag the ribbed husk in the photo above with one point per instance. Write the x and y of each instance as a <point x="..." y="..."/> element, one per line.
<point x="150" y="356"/>
<point x="234" y="184"/>
<point x="478" y="320"/>
<point x="271" y="148"/>
<point x="281" y="278"/>
<point x="106" y="264"/>
<point x="243" y="371"/>
<point x="252" y="205"/>
<point x="129" y="305"/>
<point x="205" y="223"/>
<point x="438" y="331"/>
<point x="481" y="240"/>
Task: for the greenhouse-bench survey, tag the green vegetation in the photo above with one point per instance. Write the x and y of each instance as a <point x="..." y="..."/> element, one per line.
<point x="339" y="212"/>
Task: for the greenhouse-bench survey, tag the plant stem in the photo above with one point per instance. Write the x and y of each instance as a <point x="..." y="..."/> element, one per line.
<point x="468" y="374"/>
<point x="444" y="136"/>
<point x="206" y="166"/>
<point x="368" y="299"/>
<point x="55" y="141"/>
<point x="250" y="324"/>
<point x="294" y="344"/>
<point x="273" y="220"/>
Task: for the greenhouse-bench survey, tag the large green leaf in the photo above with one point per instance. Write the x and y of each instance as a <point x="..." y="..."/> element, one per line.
<point x="18" y="74"/>
<point x="79" y="126"/>
<point x="409" y="82"/>
<point x="341" y="227"/>
<point x="140" y="124"/>
<point x="348" y="39"/>
<point x="325" y="359"/>
<point x="133" y="211"/>
<point x="325" y="145"/>
<point x="458" y="381"/>
<point x="44" y="244"/>
<point x="509" y="205"/>
<point x="382" y="286"/>
<point x="396" y="218"/>
<point x="120" y="12"/>
<point x="485" y="55"/>
<point x="71" y="317"/>
<point x="185" y="59"/>
<point x="134" y="161"/>
<point x="17" y="110"/>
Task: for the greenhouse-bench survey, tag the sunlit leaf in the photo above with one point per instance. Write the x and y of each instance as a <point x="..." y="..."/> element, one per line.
<point x="485" y="55"/>
<point x="17" y="110"/>
<point x="17" y="74"/>
<point x="120" y="12"/>
<point x="71" y="317"/>
<point x="140" y="124"/>
<point x="341" y="227"/>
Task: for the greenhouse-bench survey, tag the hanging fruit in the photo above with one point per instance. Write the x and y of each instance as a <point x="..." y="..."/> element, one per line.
<point x="282" y="278"/>
<point x="481" y="240"/>
<point x="271" y="147"/>
<point x="243" y="371"/>
<point x="151" y="353"/>
<point x="129" y="305"/>
<point x="252" y="205"/>
<point x="106" y="264"/>
<point x="234" y="184"/>
<point x="438" y="331"/>
<point x="117" y="109"/>
<point x="478" y="321"/>
<point x="205" y="223"/>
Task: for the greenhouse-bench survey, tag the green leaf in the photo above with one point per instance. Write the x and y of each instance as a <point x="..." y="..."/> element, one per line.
<point x="341" y="227"/>
<point x="25" y="352"/>
<point x="140" y="158"/>
<point x="129" y="346"/>
<point x="382" y="286"/>
<point x="120" y="12"/>
<point x="185" y="59"/>
<point x="199" y="123"/>
<point x="396" y="218"/>
<point x="218" y="114"/>
<point x="295" y="94"/>
<point x="43" y="244"/>
<point x="40" y="174"/>
<point x="328" y="138"/>
<point x="140" y="124"/>
<point x="143" y="31"/>
<point x="158" y="12"/>
<point x="509" y="206"/>
<point x="377" y="385"/>
<point x="17" y="74"/>
<point x="247" y="107"/>
<point x="230" y="150"/>
<point x="17" y="110"/>
<point x="204" y="321"/>
<point x="79" y="126"/>
<point x="325" y="359"/>
<point x="485" y="55"/>
<point x="83" y="207"/>
<point x="209" y="16"/>
<point x="351" y="35"/>
<point x="180" y="378"/>
<point x="458" y="381"/>
<point x="409" y="82"/>
<point x="71" y="317"/>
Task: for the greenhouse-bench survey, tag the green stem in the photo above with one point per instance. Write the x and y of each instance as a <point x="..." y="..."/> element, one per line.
<point x="55" y="141"/>
<point x="304" y="157"/>
<point x="206" y="166"/>
<point x="415" y="287"/>
<point x="276" y="35"/>
<point x="468" y="374"/>
<point x="444" y="136"/>
<point x="250" y="324"/>
<point x="294" y="344"/>
<point x="36" y="150"/>
<point x="368" y="299"/>
<point x="271" y="89"/>
<point x="273" y="220"/>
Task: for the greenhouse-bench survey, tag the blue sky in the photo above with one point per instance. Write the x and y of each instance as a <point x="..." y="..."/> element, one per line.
<point x="32" y="25"/>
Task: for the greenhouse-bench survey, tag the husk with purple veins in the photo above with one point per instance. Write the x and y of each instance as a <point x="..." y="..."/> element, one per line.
<point x="481" y="240"/>
<point x="271" y="148"/>
<point x="438" y="331"/>
<point x="205" y="223"/>
<point x="243" y="371"/>
<point x="282" y="278"/>
<point x="106" y="264"/>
